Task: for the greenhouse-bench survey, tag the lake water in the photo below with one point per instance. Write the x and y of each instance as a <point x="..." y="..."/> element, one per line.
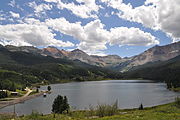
<point x="129" y="93"/>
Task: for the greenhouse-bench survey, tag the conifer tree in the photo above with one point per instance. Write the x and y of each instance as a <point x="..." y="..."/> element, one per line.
<point x="60" y="104"/>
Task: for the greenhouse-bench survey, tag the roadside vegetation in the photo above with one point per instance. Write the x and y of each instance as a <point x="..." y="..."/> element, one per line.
<point x="161" y="112"/>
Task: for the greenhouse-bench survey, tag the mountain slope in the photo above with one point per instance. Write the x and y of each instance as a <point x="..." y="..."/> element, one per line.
<point x="72" y="55"/>
<point x="32" y="68"/>
<point x="167" y="71"/>
<point x="28" y="49"/>
<point x="54" y="52"/>
<point x="154" y="54"/>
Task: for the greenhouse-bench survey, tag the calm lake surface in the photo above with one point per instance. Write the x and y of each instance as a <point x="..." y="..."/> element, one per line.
<point x="129" y="93"/>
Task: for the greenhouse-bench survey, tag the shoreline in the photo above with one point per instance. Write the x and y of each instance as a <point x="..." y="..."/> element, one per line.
<point x="19" y="100"/>
<point x="120" y="113"/>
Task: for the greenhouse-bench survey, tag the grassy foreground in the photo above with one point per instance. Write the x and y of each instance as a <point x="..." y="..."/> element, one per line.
<point x="162" y="112"/>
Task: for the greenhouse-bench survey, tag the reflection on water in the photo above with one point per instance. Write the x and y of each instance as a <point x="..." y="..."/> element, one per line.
<point x="129" y="93"/>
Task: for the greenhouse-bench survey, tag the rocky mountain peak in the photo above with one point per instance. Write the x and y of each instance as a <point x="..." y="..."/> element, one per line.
<point x="157" y="53"/>
<point x="51" y="49"/>
<point x="28" y="49"/>
<point x="78" y="51"/>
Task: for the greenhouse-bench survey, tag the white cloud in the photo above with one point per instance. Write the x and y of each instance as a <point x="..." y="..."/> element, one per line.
<point x="32" y="21"/>
<point x="14" y="15"/>
<point x="29" y="34"/>
<point x="131" y="36"/>
<point x="93" y="37"/>
<point x="52" y="1"/>
<point x="40" y="9"/>
<point x="2" y="16"/>
<point x="156" y="14"/>
<point x="12" y="3"/>
<point x="72" y="29"/>
<point x="85" y="9"/>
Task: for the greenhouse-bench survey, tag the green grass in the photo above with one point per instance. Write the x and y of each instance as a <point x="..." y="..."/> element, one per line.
<point x="21" y="92"/>
<point x="162" y="112"/>
<point x="175" y="89"/>
<point x="11" y="97"/>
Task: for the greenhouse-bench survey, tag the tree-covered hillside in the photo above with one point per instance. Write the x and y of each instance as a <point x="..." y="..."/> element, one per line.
<point x="24" y="68"/>
<point x="167" y="71"/>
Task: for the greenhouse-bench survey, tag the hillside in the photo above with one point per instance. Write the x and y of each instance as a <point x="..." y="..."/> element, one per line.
<point x="26" y="68"/>
<point x="166" y="71"/>
<point x="76" y="54"/>
<point x="154" y="54"/>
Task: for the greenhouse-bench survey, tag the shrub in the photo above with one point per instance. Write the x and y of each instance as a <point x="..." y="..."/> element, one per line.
<point x="3" y="94"/>
<point x="91" y="111"/>
<point x="107" y="110"/>
<point x="177" y="102"/>
<point x="34" y="115"/>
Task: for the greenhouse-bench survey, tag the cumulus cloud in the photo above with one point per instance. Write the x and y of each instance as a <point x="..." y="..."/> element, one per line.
<point x="85" y="8"/>
<point x="131" y="36"/>
<point x="94" y="38"/>
<point x="156" y="14"/>
<point x="29" y="35"/>
<point x="14" y="15"/>
<point x="65" y="27"/>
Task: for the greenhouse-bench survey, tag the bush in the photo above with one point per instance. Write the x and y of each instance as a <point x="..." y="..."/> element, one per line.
<point x="107" y="110"/>
<point x="34" y="115"/>
<point x="3" y="94"/>
<point x="91" y="111"/>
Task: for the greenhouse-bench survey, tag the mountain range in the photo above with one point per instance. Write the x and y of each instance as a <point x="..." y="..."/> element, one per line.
<point x="30" y="65"/>
<point x="156" y="53"/>
<point x="24" y="66"/>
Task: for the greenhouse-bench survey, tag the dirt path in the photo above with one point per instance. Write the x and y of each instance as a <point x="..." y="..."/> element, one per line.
<point x="28" y="92"/>
<point x="20" y="99"/>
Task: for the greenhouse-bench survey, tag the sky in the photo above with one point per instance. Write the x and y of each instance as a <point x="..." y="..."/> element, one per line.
<point x="98" y="27"/>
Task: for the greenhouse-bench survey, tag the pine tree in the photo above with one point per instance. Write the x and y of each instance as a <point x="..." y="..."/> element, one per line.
<point x="65" y="105"/>
<point x="60" y="104"/>
<point x="1" y="86"/>
<point x="13" y="87"/>
<point x="141" y="107"/>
